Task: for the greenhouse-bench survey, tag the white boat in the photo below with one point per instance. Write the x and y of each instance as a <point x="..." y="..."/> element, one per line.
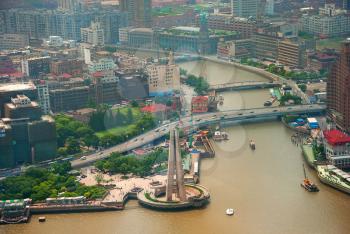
<point x="230" y="211"/>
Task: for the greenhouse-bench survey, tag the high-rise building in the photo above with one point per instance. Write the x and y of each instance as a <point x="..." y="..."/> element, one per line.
<point x="338" y="90"/>
<point x="93" y="35"/>
<point x="245" y="8"/>
<point x="140" y="12"/>
<point x="13" y="41"/>
<point x="270" y="7"/>
<point x="44" y="98"/>
<point x="66" y="24"/>
<point x="203" y="40"/>
<point x="70" y="5"/>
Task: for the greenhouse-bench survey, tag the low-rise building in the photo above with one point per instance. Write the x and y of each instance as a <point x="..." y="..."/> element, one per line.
<point x="93" y="35"/>
<point x="70" y="66"/>
<point x="163" y="79"/>
<point x="13" y="41"/>
<point x="199" y="104"/>
<point x="244" y="48"/>
<point x="34" y="67"/>
<point x="337" y="148"/>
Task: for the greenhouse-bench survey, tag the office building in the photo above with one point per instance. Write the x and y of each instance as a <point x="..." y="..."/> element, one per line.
<point x="26" y="136"/>
<point x="93" y="35"/>
<point x="245" y="8"/>
<point x="338" y="94"/>
<point x="266" y="45"/>
<point x="292" y="54"/>
<point x="330" y="22"/>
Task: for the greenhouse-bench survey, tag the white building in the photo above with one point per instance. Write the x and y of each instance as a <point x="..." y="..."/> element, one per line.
<point x="44" y="98"/>
<point x="337" y="148"/>
<point x="163" y="79"/>
<point x="101" y="65"/>
<point x="93" y="35"/>
<point x="55" y="41"/>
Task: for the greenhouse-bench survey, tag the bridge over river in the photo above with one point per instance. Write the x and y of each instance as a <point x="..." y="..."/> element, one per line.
<point x="241" y="115"/>
<point x="243" y="86"/>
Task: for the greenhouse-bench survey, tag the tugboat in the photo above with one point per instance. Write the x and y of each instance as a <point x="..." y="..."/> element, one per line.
<point x="230" y="212"/>
<point x="307" y="184"/>
<point x="42" y="219"/>
<point x="252" y="144"/>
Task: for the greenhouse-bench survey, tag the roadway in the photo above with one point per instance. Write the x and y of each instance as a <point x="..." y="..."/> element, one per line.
<point x="197" y="120"/>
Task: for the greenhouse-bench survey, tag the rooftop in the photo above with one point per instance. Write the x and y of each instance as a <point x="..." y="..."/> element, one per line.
<point x="17" y="87"/>
<point x="336" y="137"/>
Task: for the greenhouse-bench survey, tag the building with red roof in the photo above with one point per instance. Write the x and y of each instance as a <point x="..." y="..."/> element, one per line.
<point x="337" y="148"/>
<point x="200" y="104"/>
<point x="160" y="111"/>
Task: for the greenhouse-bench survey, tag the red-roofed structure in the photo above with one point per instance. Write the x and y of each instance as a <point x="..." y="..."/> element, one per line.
<point x="155" y="108"/>
<point x="336" y="137"/>
<point x="337" y="148"/>
<point x="161" y="111"/>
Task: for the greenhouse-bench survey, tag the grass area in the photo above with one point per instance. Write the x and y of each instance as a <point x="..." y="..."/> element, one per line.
<point x="122" y="129"/>
<point x="148" y="196"/>
<point x="333" y="43"/>
<point x="115" y="131"/>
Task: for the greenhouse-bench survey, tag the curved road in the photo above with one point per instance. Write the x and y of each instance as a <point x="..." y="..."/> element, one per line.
<point x="196" y="120"/>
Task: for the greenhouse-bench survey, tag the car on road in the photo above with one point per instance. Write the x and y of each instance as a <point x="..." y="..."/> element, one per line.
<point x="289" y="108"/>
<point x="157" y="130"/>
<point x="240" y="114"/>
<point x="199" y="120"/>
<point x="83" y="158"/>
<point x="101" y="153"/>
<point x="274" y="110"/>
<point x="136" y="139"/>
<point x="252" y="112"/>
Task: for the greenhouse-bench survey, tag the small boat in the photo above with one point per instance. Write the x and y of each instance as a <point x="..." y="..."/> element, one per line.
<point x="252" y="144"/>
<point x="307" y="184"/>
<point x="42" y="219"/>
<point x="230" y="211"/>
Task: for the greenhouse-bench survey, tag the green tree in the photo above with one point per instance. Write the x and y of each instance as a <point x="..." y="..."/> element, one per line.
<point x="302" y="87"/>
<point x="72" y="145"/>
<point x="130" y="116"/>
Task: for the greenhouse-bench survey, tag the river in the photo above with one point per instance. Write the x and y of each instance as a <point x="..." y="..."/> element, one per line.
<point x="262" y="186"/>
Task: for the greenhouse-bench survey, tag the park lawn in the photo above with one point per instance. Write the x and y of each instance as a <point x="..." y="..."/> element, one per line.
<point x="124" y="110"/>
<point x="121" y="129"/>
<point x="329" y="43"/>
<point x="114" y="131"/>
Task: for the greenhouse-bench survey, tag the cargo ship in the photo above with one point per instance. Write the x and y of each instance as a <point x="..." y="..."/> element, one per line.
<point x="334" y="177"/>
<point x="307" y="184"/>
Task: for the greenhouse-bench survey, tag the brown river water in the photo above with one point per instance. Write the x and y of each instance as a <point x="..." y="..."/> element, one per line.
<point x="263" y="187"/>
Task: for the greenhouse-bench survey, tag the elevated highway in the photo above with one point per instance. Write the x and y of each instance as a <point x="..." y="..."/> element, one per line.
<point x="200" y="120"/>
